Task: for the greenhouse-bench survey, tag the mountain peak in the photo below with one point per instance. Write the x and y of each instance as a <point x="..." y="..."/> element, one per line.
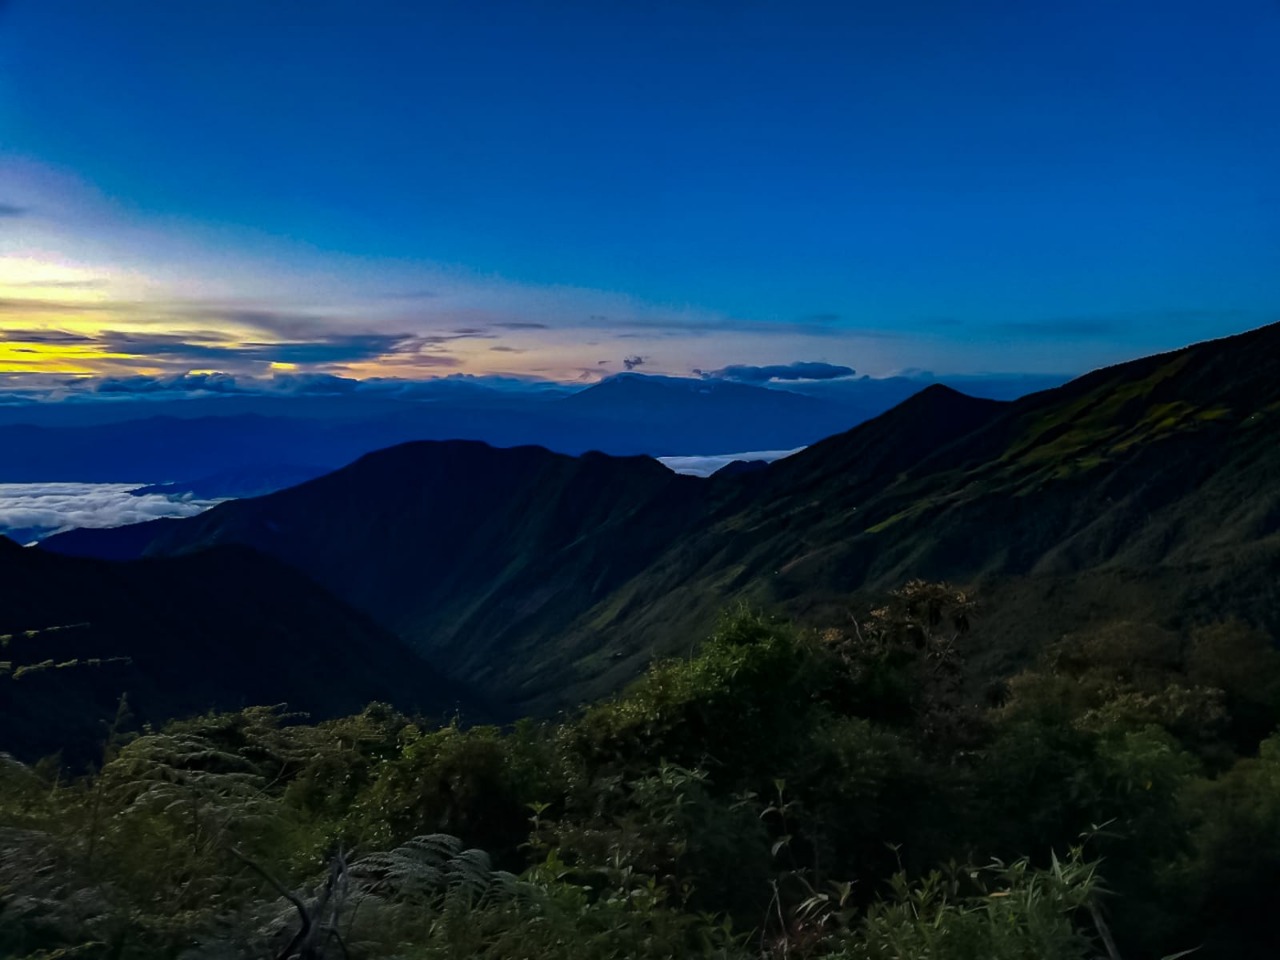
<point x="936" y="407"/>
<point x="937" y="395"/>
<point x="897" y="439"/>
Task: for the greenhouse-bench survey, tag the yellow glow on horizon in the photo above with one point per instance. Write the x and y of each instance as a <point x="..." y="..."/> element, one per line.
<point x="18" y="356"/>
<point x="42" y="297"/>
<point x="65" y="318"/>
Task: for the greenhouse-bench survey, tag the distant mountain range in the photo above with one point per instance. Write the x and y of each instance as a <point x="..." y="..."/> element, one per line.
<point x="1148" y="490"/>
<point x="171" y="441"/>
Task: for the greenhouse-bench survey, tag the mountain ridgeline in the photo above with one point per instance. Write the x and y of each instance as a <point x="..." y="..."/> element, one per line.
<point x="1148" y="490"/>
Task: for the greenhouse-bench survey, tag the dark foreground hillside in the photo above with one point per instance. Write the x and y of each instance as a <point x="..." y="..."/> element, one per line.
<point x="1149" y="490"/>
<point x="223" y="629"/>
<point x="785" y="795"/>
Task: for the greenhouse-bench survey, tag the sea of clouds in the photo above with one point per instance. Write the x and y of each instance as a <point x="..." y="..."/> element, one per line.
<point x="704" y="466"/>
<point x="31" y="511"/>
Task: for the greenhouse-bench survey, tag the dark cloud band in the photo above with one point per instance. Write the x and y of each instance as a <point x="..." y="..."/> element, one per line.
<point x="801" y="370"/>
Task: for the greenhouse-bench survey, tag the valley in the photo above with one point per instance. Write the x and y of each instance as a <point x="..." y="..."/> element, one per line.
<point x="552" y="580"/>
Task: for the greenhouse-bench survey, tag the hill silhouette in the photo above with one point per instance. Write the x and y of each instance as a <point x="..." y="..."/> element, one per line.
<point x="459" y="545"/>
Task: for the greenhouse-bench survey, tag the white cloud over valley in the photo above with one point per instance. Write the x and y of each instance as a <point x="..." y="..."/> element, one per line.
<point x="35" y="510"/>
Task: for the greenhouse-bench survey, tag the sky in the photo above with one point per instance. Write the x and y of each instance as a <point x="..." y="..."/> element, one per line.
<point x="565" y="190"/>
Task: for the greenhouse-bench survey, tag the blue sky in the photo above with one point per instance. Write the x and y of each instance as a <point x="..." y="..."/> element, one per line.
<point x="548" y="188"/>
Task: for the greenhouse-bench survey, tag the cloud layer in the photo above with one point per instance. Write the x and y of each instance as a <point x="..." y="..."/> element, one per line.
<point x="37" y="510"/>
<point x="22" y="389"/>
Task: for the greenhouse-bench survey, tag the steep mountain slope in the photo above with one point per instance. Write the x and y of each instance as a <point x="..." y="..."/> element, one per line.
<point x="461" y="548"/>
<point x="222" y="629"/>
<point x="1162" y="475"/>
<point x="1149" y="489"/>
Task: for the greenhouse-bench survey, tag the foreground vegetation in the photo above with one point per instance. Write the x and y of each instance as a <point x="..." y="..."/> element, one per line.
<point x="844" y="793"/>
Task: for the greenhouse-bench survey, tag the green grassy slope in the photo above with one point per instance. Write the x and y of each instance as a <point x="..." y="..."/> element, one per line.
<point x="1162" y="475"/>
